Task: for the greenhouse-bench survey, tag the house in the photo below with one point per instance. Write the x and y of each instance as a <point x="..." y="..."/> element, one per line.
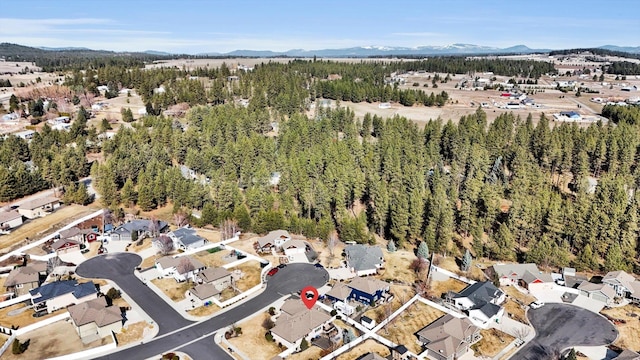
<point x="363" y="259"/>
<point x="294" y="246"/>
<point x="600" y="292"/>
<point x="180" y="267"/>
<point x="217" y="276"/>
<point x="63" y="246"/>
<point x="481" y="301"/>
<point x="567" y="116"/>
<point x="619" y="281"/>
<point x="94" y="320"/>
<point x="273" y="239"/>
<point x="10" y="220"/>
<point x="634" y="296"/>
<point x="59" y="120"/>
<point x="206" y="292"/>
<point x="511" y="274"/>
<point x="186" y="238"/>
<point x="296" y="322"/>
<point x="25" y="278"/>
<point x="537" y="280"/>
<point x="340" y="292"/>
<point x="26" y="135"/>
<point x="60" y="294"/>
<point x="365" y="290"/>
<point x="79" y="235"/>
<point x="448" y="337"/>
<point x="61" y="127"/>
<point x="627" y="355"/>
<point x="399" y="352"/>
<point x="371" y="356"/>
<point x="367" y="322"/>
<point x="141" y="227"/>
<point x="40" y="207"/>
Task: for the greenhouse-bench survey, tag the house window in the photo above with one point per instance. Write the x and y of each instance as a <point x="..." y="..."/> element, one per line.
<point x="19" y="286"/>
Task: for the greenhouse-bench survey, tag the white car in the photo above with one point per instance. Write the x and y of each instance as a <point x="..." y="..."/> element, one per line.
<point x="536" y="304"/>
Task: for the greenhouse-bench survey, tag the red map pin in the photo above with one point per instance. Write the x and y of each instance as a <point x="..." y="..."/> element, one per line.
<point x="309" y="296"/>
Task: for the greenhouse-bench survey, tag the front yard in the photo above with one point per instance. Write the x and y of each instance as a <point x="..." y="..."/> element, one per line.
<point x="403" y="327"/>
<point x="173" y="289"/>
<point x="24" y="318"/>
<point x="492" y="342"/>
<point x="251" y="275"/>
<point x="132" y="333"/>
<point x="629" y="337"/>
<point x="204" y="310"/>
<point x="252" y="341"/>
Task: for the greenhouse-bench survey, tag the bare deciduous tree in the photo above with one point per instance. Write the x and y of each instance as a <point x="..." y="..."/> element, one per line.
<point x="332" y="242"/>
<point x="422" y="288"/>
<point x="419" y="265"/>
<point x="186" y="266"/>
<point x="154" y="226"/>
<point x="228" y="229"/>
<point x="180" y="219"/>
<point x="164" y="244"/>
<point x="522" y="332"/>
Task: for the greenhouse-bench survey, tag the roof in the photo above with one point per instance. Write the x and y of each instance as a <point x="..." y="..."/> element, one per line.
<point x="213" y="273"/>
<point x="272" y="236"/>
<point x="187" y="236"/>
<point x="73" y="231"/>
<point x="368" y="285"/>
<point x="361" y="257"/>
<point x="140" y="225"/>
<point x="446" y="334"/>
<point x="95" y="311"/>
<point x="628" y="355"/>
<point x="489" y="309"/>
<point x="635" y="289"/>
<point x="205" y="291"/>
<point x="401" y="349"/>
<point x="366" y="319"/>
<point x="61" y="243"/>
<point x="515" y="271"/>
<point x="179" y="264"/>
<point x="530" y="277"/>
<point x="26" y="274"/>
<point x="371" y="356"/>
<point x="619" y="277"/>
<point x="293" y="328"/>
<point x="480" y="293"/>
<point x="59" y="288"/>
<point x="299" y="244"/>
<point x="604" y="288"/>
<point x="293" y="306"/>
<point x="7" y="216"/>
<point x="339" y="291"/>
<point x="36" y="203"/>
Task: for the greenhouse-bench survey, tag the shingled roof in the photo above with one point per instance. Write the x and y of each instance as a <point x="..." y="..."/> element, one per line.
<point x="96" y="311"/>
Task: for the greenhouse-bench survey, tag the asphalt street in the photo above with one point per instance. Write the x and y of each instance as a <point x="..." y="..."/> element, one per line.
<point x="177" y="333"/>
<point x="559" y="326"/>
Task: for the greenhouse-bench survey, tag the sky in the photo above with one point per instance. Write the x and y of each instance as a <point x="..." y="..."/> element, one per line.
<point x="201" y="26"/>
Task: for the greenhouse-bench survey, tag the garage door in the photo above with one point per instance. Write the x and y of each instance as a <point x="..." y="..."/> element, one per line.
<point x="599" y="297"/>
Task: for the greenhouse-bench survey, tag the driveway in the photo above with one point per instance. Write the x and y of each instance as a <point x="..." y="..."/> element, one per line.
<point x="559" y="326"/>
<point x="176" y="333"/>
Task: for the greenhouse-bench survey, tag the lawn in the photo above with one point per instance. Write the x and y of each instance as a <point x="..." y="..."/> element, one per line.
<point x="146" y="244"/>
<point x="515" y="310"/>
<point x="251" y="275"/>
<point x="367" y="346"/>
<point x="402" y="329"/>
<point x="212" y="259"/>
<point x="24" y="318"/>
<point x="629" y="337"/>
<point x="150" y="261"/>
<point x="204" y="310"/>
<point x="173" y="289"/>
<point x="212" y="236"/>
<point x="252" y="341"/>
<point x="38" y="228"/>
<point x="57" y="339"/>
<point x="401" y="293"/>
<point x="493" y="341"/>
<point x="93" y="249"/>
<point x="439" y="288"/>
<point x="132" y="333"/>
<point x="312" y="353"/>
<point x="397" y="266"/>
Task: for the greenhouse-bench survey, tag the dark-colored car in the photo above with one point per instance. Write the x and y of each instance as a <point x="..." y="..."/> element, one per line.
<point x="282" y="266"/>
<point x="272" y="271"/>
<point x="318" y="265"/>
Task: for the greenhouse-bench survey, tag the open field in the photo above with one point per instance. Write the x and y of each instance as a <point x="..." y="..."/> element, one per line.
<point x="252" y="341"/>
<point x="402" y="294"/>
<point x="402" y="329"/>
<point x="212" y="259"/>
<point x="439" y="288"/>
<point x="24" y="318"/>
<point x="132" y="333"/>
<point x="251" y="275"/>
<point x="212" y="236"/>
<point x="172" y="288"/>
<point x="368" y="346"/>
<point x="629" y="337"/>
<point x="397" y="265"/>
<point x="57" y="339"/>
<point x="38" y="228"/>
<point x="324" y="255"/>
<point x="493" y="341"/>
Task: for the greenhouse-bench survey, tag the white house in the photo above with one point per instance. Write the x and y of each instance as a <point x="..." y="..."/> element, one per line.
<point x="27" y="134"/>
<point x="481" y="301"/>
<point x="93" y="319"/>
<point x="10" y="219"/>
<point x="600" y="292"/>
<point x="60" y="294"/>
<point x="294" y="246"/>
<point x="180" y="267"/>
<point x="186" y="238"/>
<point x="40" y="207"/>
<point x="620" y="282"/>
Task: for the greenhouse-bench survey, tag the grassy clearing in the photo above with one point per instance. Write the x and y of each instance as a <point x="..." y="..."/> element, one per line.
<point x="38" y="228"/>
<point x="401" y="293"/>
<point x="252" y="341"/>
<point x="204" y="310"/>
<point x="132" y="333"/>
<point x="368" y="346"/>
<point x="24" y="318"/>
<point x="513" y="293"/>
<point x="397" y="266"/>
<point x="211" y="235"/>
<point x="212" y="259"/>
<point x="516" y="311"/>
<point x="164" y="213"/>
<point x="251" y="270"/>
<point x="134" y="247"/>
<point x="324" y="255"/>
<point x="629" y="337"/>
<point x="173" y="289"/>
<point x="404" y="326"/>
<point x="493" y="341"/>
<point x="438" y="288"/>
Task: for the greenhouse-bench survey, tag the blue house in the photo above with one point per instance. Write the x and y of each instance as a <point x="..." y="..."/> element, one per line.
<point x="365" y="290"/>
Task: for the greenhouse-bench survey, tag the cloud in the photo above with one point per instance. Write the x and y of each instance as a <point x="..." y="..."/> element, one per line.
<point x="36" y="26"/>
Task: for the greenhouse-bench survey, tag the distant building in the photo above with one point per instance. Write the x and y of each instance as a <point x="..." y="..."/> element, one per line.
<point x="10" y="220"/>
<point x="40" y="207"/>
<point x="363" y="259"/>
<point x="186" y="238"/>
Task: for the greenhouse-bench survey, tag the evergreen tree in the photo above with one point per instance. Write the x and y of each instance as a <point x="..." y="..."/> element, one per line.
<point x="423" y="251"/>
<point x="391" y="246"/>
<point x="466" y="261"/>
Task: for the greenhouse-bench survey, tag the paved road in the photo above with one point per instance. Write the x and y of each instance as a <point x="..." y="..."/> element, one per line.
<point x="559" y="326"/>
<point x="195" y="339"/>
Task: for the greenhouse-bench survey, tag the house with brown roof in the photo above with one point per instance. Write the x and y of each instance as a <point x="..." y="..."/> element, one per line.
<point x="10" y="220"/>
<point x="537" y="280"/>
<point x="180" y="267"/>
<point x="511" y="274"/>
<point x="62" y="246"/>
<point x="296" y="322"/>
<point x="79" y="235"/>
<point x="40" y="207"/>
<point x="273" y="240"/>
<point x="448" y="337"/>
<point x="212" y="281"/>
<point x="94" y="320"/>
<point x="620" y="281"/>
<point x="25" y="278"/>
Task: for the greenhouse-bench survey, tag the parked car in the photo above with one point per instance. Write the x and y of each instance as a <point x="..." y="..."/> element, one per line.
<point x="536" y="304"/>
<point x="282" y="266"/>
<point x="272" y="271"/>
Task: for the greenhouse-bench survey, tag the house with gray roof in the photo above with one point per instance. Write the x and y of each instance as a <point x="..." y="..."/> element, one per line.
<point x="94" y="320"/>
<point x="600" y="292"/>
<point x="186" y="238"/>
<point x="627" y="355"/>
<point x="364" y="259"/>
<point x="481" y="301"/>
<point x="620" y="281"/>
<point x="448" y="337"/>
<point x="511" y="274"/>
<point x="39" y="207"/>
<point x="141" y="227"/>
<point x="60" y="294"/>
<point x="273" y="240"/>
<point x="296" y="322"/>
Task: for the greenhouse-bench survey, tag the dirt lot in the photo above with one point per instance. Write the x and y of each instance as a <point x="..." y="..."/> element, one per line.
<point x="24" y="318"/>
<point x="57" y="339"/>
<point x="212" y="259"/>
<point x="38" y="228"/>
<point x="251" y="270"/>
<point x="439" y="288"/>
<point x="368" y="346"/>
<point x="252" y="340"/>
<point x="132" y="333"/>
<point x="629" y="337"/>
<point x="172" y="288"/>
<point x="404" y="326"/>
<point x="324" y="255"/>
<point x="397" y="266"/>
<point x="402" y="294"/>
<point x="493" y="341"/>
